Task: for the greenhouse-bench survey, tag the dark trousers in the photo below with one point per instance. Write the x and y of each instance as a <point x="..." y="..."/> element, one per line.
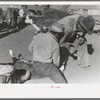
<point x="49" y="70"/>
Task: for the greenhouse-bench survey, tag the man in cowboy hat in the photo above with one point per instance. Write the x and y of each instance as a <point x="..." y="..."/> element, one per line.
<point x="77" y="26"/>
<point x="46" y="54"/>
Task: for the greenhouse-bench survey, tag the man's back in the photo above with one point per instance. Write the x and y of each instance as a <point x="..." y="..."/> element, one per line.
<point x="44" y="44"/>
<point x="69" y="23"/>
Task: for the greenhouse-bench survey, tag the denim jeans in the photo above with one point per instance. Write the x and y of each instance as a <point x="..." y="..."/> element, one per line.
<point x="42" y="70"/>
<point x="49" y="70"/>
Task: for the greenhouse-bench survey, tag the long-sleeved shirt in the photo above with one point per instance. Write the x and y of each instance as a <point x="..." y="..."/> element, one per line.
<point x="69" y="23"/>
<point x="45" y="48"/>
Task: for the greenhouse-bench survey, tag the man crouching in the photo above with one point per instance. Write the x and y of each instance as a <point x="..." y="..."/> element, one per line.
<point x="46" y="54"/>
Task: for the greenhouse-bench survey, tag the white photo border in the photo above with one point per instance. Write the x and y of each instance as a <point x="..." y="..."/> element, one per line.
<point x="45" y="90"/>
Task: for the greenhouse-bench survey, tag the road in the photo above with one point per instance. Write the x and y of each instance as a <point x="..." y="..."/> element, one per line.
<point x="19" y="42"/>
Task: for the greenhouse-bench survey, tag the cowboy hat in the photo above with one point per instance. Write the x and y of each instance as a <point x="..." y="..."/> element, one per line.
<point x="87" y="23"/>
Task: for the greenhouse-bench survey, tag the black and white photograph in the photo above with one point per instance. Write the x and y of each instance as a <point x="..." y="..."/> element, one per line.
<point x="49" y="49"/>
<point x="49" y="44"/>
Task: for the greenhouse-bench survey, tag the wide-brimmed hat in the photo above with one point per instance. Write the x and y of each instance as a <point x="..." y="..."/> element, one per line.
<point x="87" y="23"/>
<point x="57" y="28"/>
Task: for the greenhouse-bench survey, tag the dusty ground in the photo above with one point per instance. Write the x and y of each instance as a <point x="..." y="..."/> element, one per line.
<point x="19" y="42"/>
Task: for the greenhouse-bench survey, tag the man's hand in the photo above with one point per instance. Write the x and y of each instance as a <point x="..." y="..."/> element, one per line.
<point x="66" y="44"/>
<point x="62" y="68"/>
<point x="81" y="40"/>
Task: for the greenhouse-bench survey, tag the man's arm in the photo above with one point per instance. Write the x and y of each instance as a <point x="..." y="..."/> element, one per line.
<point x="63" y="38"/>
<point x="65" y="44"/>
<point x="67" y="31"/>
<point x="56" y="56"/>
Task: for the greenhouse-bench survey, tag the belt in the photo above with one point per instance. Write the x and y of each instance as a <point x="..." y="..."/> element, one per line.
<point x="42" y="62"/>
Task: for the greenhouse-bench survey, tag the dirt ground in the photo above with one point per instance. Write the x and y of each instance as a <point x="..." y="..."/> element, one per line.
<point x="19" y="42"/>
